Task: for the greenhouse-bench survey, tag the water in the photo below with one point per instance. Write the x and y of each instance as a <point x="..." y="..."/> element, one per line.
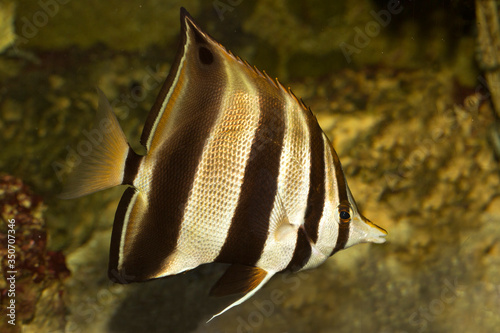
<point x="403" y="90"/>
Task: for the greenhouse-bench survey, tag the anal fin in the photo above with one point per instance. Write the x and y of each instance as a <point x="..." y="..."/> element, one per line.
<point x="240" y="279"/>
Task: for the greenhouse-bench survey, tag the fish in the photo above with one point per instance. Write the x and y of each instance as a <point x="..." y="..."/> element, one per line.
<point x="236" y="170"/>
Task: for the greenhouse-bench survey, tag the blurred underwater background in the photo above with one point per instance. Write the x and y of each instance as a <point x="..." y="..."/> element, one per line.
<point x="408" y="92"/>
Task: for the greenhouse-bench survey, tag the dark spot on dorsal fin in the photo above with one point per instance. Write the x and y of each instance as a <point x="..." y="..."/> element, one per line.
<point x="206" y="56"/>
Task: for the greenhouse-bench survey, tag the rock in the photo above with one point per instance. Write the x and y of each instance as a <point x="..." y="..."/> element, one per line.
<point x="7" y="35"/>
<point x="36" y="284"/>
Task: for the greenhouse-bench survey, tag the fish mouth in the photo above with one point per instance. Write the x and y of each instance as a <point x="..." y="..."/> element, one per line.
<point x="377" y="234"/>
<point x="373" y="225"/>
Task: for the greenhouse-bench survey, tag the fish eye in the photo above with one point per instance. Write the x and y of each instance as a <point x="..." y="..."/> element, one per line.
<point x="344" y="215"/>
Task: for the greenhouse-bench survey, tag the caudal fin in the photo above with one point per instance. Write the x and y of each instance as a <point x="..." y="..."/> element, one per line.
<point x="102" y="155"/>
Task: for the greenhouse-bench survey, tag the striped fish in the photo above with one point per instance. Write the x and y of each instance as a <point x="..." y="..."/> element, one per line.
<point x="237" y="171"/>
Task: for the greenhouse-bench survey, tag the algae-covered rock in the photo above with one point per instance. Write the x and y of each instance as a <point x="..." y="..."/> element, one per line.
<point x="57" y="24"/>
<point x="7" y="35"/>
<point x="31" y="287"/>
<point x="310" y="38"/>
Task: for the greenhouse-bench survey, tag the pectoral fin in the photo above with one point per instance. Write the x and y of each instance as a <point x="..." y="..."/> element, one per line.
<point x="240" y="279"/>
<point x="280" y="226"/>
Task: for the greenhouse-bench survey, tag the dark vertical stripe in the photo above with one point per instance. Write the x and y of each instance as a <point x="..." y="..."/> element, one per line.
<point x="342" y="237"/>
<point x="301" y="254"/>
<point x="113" y="272"/>
<point x="316" y="196"/>
<point x="249" y="227"/>
<point x="132" y="164"/>
<point x="343" y="232"/>
<point x="340" y="177"/>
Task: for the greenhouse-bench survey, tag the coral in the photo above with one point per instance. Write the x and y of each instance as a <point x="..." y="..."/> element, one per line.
<point x="38" y="269"/>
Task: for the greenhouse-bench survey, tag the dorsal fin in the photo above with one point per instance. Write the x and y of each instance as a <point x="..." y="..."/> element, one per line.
<point x="191" y="34"/>
<point x="240" y="279"/>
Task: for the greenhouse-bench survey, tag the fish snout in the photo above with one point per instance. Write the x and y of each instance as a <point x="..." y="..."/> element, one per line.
<point x="375" y="234"/>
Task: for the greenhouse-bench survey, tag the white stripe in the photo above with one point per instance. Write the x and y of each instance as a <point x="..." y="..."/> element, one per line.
<point x="293" y="184"/>
<point x="295" y="164"/>
<point x="328" y="227"/>
<point x="130" y="206"/>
